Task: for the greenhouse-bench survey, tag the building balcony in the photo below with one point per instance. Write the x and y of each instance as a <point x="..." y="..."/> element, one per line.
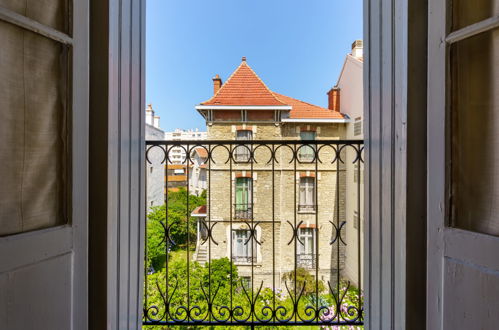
<point x="243" y="211"/>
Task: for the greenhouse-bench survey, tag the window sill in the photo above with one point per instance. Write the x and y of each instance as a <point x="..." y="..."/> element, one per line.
<point x="306" y="212"/>
<point x="248" y="264"/>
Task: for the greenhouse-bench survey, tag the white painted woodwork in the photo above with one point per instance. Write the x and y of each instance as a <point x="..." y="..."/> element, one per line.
<point x="393" y="124"/>
<point x="463" y="268"/>
<point x="117" y="178"/>
<point x="43" y="273"/>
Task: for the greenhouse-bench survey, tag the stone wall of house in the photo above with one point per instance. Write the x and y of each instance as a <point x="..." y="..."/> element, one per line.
<point x="275" y="200"/>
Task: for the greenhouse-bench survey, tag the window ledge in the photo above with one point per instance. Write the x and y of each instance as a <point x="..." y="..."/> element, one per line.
<point x="306" y="212"/>
<point x="259" y="264"/>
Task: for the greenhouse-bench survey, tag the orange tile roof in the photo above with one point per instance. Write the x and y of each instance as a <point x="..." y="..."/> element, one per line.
<point x="302" y="109"/>
<point x="200" y="210"/>
<point x="201" y="152"/>
<point x="244" y="87"/>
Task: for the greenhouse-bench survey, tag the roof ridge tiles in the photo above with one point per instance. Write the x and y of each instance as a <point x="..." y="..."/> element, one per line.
<point x="238" y="93"/>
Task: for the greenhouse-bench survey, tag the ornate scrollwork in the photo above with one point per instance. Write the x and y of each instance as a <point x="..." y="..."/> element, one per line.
<point x="293" y="305"/>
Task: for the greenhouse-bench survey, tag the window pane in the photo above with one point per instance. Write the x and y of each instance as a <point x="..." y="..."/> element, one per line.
<point x="467" y="12"/>
<point x="307" y="152"/>
<point x="242" y="153"/>
<point x="52" y="13"/>
<point x="474" y="153"/>
<point x="307" y="135"/>
<point x="243" y="191"/>
<point x="33" y="132"/>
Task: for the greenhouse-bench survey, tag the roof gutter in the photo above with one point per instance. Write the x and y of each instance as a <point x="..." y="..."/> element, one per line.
<point x="243" y="107"/>
<point x="318" y="120"/>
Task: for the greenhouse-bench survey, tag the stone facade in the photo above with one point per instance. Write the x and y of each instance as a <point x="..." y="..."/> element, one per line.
<point x="275" y="197"/>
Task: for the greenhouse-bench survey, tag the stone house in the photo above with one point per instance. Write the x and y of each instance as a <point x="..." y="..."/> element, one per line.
<point x="271" y="216"/>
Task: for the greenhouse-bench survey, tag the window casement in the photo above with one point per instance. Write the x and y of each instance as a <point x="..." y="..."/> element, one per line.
<point x="306" y="153"/>
<point x="243" y="201"/>
<point x="307" y="194"/>
<point x="243" y="247"/>
<point x="306" y="247"/>
<point x="242" y="152"/>
<point x="473" y="105"/>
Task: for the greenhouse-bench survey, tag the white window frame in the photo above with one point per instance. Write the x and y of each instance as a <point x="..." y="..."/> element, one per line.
<point x="307" y="237"/>
<point x="306" y="191"/>
<point x="242" y="153"/>
<point x="242" y="243"/>
<point x="306" y="153"/>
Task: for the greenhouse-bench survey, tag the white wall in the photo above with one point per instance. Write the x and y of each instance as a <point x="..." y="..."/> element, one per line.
<point x="350" y="83"/>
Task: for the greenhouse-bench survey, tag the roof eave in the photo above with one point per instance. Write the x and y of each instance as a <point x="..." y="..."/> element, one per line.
<point x="243" y="107"/>
<point x="317" y="120"/>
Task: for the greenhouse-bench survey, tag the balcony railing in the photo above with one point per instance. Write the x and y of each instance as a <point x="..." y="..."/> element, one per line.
<point x="243" y="211"/>
<point x="194" y="272"/>
<point x="306" y="208"/>
<point x="306" y="260"/>
<point x="244" y="259"/>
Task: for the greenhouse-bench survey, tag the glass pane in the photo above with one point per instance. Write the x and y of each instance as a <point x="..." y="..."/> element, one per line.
<point x="306" y="152"/>
<point x="467" y="12"/>
<point x="474" y="65"/>
<point x="33" y="132"/>
<point x="52" y="13"/>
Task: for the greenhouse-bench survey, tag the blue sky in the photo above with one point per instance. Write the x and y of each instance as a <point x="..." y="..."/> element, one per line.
<point x="297" y="47"/>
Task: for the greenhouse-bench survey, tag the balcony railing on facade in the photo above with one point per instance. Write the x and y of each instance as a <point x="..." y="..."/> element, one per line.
<point x="203" y="279"/>
<point x="243" y="211"/>
<point x="306" y="260"/>
<point x="306" y="207"/>
<point x="244" y="260"/>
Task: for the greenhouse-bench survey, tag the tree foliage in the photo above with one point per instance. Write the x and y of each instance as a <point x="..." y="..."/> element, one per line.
<point x="180" y="231"/>
<point x="304" y="280"/>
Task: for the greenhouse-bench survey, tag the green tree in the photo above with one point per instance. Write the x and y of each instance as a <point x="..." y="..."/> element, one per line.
<point x="179" y="210"/>
<point x="304" y="280"/>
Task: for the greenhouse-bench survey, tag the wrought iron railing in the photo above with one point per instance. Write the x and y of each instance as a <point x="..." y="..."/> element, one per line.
<point x="243" y="211"/>
<point x="244" y="259"/>
<point x="306" y="207"/>
<point x="306" y="260"/>
<point x="199" y="278"/>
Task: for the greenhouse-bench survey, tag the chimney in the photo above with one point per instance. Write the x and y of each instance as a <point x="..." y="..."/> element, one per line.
<point x="357" y="49"/>
<point x="217" y="83"/>
<point x="334" y="99"/>
<point x="156" y="121"/>
<point x="149" y="115"/>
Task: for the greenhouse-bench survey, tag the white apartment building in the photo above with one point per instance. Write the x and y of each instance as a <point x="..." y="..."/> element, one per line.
<point x="155" y="170"/>
<point x="350" y="91"/>
<point x="177" y="154"/>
